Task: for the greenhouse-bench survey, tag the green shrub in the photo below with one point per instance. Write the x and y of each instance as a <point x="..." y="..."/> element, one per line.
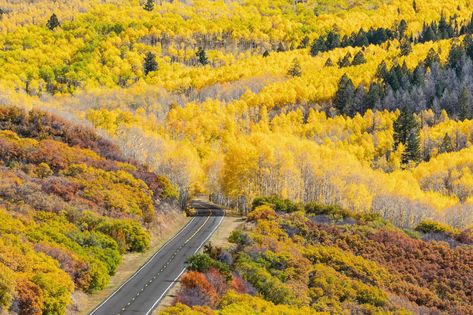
<point x="279" y="204"/>
<point x="428" y="226"/>
<point x="203" y="262"/>
<point x="330" y="210"/>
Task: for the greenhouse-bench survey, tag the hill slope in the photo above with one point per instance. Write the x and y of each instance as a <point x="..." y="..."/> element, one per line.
<point x="70" y="206"/>
<point x="322" y="259"/>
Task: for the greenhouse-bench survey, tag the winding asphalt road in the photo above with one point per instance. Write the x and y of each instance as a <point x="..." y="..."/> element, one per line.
<point x="143" y="291"/>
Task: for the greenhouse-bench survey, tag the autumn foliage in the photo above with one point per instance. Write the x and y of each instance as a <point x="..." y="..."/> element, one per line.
<point x="67" y="212"/>
<point x="336" y="262"/>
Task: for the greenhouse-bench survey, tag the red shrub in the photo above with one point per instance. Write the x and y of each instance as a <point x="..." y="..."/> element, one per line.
<point x="196" y="290"/>
<point x="29" y="297"/>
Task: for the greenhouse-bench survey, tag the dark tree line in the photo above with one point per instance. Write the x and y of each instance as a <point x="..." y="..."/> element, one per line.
<point x="360" y="39"/>
<point x="431" y="85"/>
<point x="437" y="30"/>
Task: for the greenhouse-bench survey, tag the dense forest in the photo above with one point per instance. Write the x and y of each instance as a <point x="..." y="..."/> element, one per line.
<point x="312" y="259"/>
<point x="365" y="106"/>
<point x="70" y="206"/>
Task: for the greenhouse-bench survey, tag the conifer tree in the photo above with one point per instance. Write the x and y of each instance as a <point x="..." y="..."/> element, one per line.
<point x="432" y="58"/>
<point x="345" y="61"/>
<point x="53" y="22"/>
<point x="266" y="53"/>
<point x="446" y="145"/>
<point x="359" y="59"/>
<point x="345" y="95"/>
<point x="407" y="132"/>
<point x="295" y="70"/>
<point x="202" y="56"/>
<point x="149" y="5"/>
<point x="464" y="104"/>
<point x="329" y="62"/>
<point x="150" y="63"/>
<point x="406" y="47"/>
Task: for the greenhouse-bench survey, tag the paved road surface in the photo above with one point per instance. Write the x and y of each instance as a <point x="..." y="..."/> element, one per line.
<point x="141" y="294"/>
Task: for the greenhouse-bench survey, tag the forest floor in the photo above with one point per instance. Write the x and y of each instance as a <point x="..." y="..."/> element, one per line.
<point x="172" y="223"/>
<point x="231" y="222"/>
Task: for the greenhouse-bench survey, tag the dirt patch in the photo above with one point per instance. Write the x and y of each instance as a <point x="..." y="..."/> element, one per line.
<point x="219" y="238"/>
<point x="169" y="225"/>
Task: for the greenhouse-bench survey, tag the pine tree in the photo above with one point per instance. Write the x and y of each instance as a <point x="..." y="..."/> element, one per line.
<point x="344" y="98"/>
<point x="464" y="104"/>
<point x="149" y="5"/>
<point x="345" y="61"/>
<point x="382" y="71"/>
<point x="318" y="46"/>
<point x="333" y="40"/>
<point x="150" y="63"/>
<point x="266" y="53"/>
<point x="329" y="63"/>
<point x="432" y="58"/>
<point x="402" y="28"/>
<point x="407" y="132"/>
<point x="406" y="47"/>
<point x="412" y="152"/>
<point x="359" y="59"/>
<point x="374" y="95"/>
<point x="53" y="22"/>
<point x="455" y="57"/>
<point x="295" y="70"/>
<point x="418" y="77"/>
<point x="202" y="56"/>
<point x="446" y="145"/>
<point x="305" y="42"/>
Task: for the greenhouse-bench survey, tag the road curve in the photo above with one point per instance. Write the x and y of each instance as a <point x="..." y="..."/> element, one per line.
<point x="143" y="291"/>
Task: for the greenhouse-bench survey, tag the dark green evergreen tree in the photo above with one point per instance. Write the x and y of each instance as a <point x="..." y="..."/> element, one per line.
<point x="418" y="77"/>
<point x="402" y="28"/>
<point x="318" y="46"/>
<point x="333" y="40"/>
<point x="149" y="5"/>
<point x="406" y="47"/>
<point x="359" y="59"/>
<point x="266" y="53"/>
<point x="53" y="22"/>
<point x="382" y="71"/>
<point x="374" y="95"/>
<point x="428" y="34"/>
<point x="329" y="63"/>
<point x="295" y="70"/>
<point x="361" y="39"/>
<point x="345" y="95"/>
<point x="468" y="44"/>
<point x="407" y="132"/>
<point x="150" y="63"/>
<point x="446" y="145"/>
<point x="202" y="56"/>
<point x="345" y="61"/>
<point x="412" y="152"/>
<point x="464" y="104"/>
<point x="455" y="57"/>
<point x="432" y="58"/>
<point x="305" y="42"/>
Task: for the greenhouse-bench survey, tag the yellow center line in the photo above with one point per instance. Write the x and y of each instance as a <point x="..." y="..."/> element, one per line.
<point x="200" y="228"/>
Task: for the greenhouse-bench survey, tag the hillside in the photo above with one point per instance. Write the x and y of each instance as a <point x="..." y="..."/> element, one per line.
<point x="70" y="206"/>
<point x="312" y="259"/>
<point x="365" y="106"/>
<point x="217" y="95"/>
